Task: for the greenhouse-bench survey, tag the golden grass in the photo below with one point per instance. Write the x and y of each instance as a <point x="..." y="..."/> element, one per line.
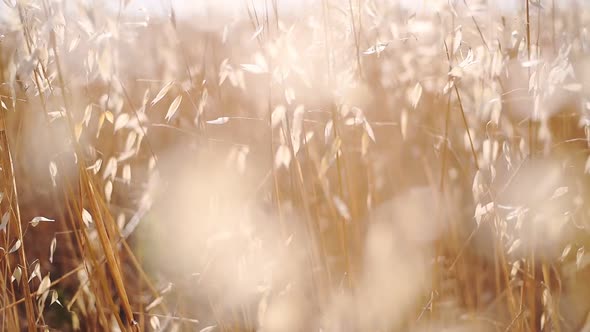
<point x="346" y="166"/>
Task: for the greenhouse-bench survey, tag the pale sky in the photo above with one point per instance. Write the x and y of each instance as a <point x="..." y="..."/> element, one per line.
<point x="193" y="8"/>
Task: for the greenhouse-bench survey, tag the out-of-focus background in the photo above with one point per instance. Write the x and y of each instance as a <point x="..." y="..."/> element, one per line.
<point x="273" y="165"/>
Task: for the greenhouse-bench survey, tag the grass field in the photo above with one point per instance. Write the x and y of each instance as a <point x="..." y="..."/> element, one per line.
<point x="270" y="165"/>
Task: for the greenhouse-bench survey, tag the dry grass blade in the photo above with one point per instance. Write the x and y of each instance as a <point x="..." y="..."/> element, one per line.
<point x="162" y="93"/>
<point x="173" y="108"/>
